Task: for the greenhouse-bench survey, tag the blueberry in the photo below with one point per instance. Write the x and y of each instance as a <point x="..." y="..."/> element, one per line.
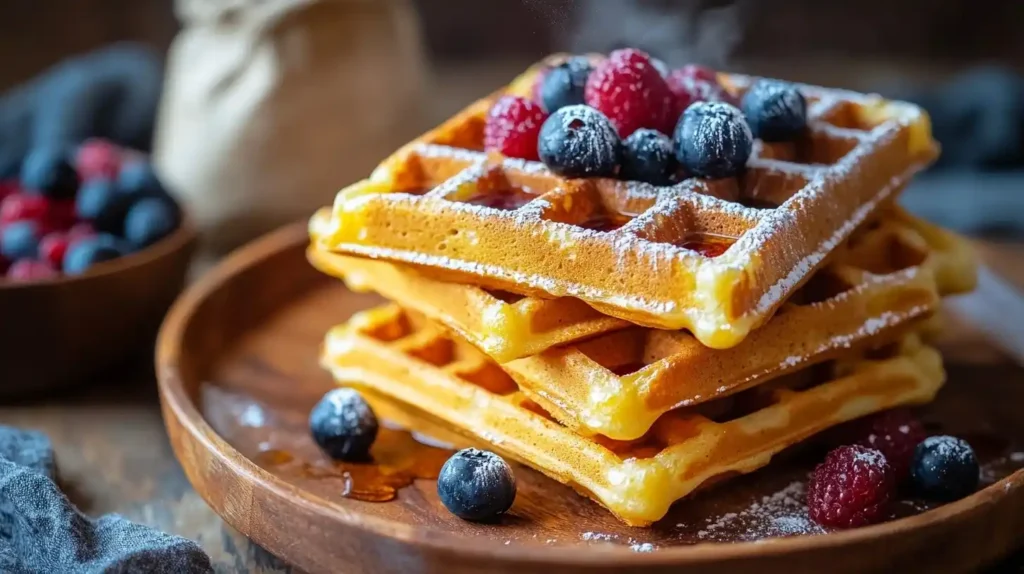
<point x="20" y="240"/>
<point x="944" y="469"/>
<point x="647" y="155"/>
<point x="476" y="485"/>
<point x="713" y="140"/>
<point x="776" y="111"/>
<point x="85" y="253"/>
<point x="100" y="203"/>
<point x="149" y="220"/>
<point x="138" y="179"/>
<point x="48" y="171"/>
<point x="563" y="84"/>
<point x="344" y="425"/>
<point x="579" y="141"/>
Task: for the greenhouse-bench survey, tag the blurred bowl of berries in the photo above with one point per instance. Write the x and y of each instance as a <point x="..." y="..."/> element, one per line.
<point x="93" y="251"/>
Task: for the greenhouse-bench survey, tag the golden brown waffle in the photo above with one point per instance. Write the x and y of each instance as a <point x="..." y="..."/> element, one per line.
<point x="882" y="282"/>
<point x="403" y="356"/>
<point x="507" y="326"/>
<point x="631" y="250"/>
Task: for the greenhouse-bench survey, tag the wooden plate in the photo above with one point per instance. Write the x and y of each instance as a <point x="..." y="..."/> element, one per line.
<point x="237" y="363"/>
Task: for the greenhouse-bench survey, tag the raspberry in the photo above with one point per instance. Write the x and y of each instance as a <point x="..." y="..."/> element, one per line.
<point x="81" y="230"/>
<point x="22" y="206"/>
<point x="98" y="158"/>
<point x="691" y="84"/>
<point x="53" y="247"/>
<point x="628" y="89"/>
<point x="61" y="214"/>
<point x="852" y="487"/>
<point x="696" y="72"/>
<point x="895" y="433"/>
<point x="9" y="187"/>
<point x="30" y="270"/>
<point x="513" y="125"/>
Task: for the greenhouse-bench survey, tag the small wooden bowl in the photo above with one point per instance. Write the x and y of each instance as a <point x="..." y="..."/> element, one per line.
<point x="62" y="331"/>
<point x="238" y="373"/>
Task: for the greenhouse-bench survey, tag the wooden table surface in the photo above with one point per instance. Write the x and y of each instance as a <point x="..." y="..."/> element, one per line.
<point x="114" y="456"/>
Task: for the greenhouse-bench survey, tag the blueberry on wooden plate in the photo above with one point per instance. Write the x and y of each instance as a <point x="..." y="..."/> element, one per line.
<point x="944" y="469"/>
<point x="343" y="425"/>
<point x="476" y="485"/>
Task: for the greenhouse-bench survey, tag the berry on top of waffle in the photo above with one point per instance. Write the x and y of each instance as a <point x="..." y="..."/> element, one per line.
<point x="633" y="93"/>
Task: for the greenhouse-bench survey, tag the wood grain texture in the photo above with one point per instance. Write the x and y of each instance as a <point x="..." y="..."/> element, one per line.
<point x="65" y="331"/>
<point x="238" y="352"/>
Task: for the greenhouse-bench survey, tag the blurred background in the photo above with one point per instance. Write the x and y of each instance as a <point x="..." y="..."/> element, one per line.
<point x="274" y="104"/>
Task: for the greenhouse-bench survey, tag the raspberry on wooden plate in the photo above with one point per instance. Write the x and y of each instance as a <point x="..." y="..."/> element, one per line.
<point x="854" y="486"/>
<point x="894" y="433"/>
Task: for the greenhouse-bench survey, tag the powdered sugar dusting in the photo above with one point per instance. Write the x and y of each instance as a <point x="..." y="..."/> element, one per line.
<point x="783" y="513"/>
<point x="869" y="457"/>
<point x="633" y="544"/>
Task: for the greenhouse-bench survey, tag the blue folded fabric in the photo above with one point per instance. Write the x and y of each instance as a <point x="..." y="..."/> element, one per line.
<point x="41" y="531"/>
<point x="112" y="92"/>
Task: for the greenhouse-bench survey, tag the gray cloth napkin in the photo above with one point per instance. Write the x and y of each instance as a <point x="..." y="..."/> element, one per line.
<point x="42" y="532"/>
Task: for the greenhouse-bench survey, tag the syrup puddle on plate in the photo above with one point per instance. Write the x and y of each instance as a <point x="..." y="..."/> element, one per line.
<point x="397" y="459"/>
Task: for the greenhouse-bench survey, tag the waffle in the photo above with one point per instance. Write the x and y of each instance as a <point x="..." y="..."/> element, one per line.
<point x="507" y="326"/>
<point x="885" y="280"/>
<point x="715" y="257"/>
<point x="403" y="356"/>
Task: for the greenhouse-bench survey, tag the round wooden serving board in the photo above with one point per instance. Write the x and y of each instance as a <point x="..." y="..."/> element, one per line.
<point x="237" y="364"/>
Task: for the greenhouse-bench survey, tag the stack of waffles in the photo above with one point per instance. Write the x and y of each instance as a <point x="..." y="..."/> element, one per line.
<point x="639" y="342"/>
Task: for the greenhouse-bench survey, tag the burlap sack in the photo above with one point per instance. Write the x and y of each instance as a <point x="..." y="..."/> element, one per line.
<point x="271" y="106"/>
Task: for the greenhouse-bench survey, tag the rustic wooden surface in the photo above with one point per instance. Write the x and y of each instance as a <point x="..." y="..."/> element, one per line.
<point x="114" y="456"/>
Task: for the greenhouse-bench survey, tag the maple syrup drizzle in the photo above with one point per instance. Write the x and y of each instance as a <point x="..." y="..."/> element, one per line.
<point x="505" y="199"/>
<point x="605" y="222"/>
<point x="397" y="459"/>
<point x="707" y="245"/>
